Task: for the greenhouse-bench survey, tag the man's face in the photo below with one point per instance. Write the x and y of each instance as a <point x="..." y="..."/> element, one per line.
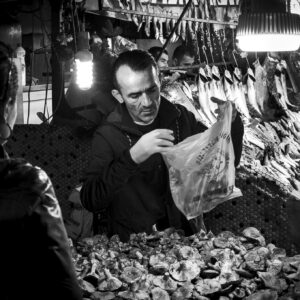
<point x="163" y="61"/>
<point x="140" y="90"/>
<point x="186" y="61"/>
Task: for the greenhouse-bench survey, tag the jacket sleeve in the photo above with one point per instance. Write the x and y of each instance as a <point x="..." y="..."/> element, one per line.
<point x="51" y="244"/>
<point x="106" y="174"/>
<point x="237" y="133"/>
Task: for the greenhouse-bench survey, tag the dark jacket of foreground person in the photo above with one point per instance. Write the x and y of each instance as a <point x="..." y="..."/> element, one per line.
<point x="35" y="255"/>
<point x="138" y="195"/>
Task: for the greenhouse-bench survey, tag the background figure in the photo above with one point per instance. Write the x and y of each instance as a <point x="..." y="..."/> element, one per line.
<point x="162" y="62"/>
<point x="36" y="260"/>
<point x="183" y="56"/>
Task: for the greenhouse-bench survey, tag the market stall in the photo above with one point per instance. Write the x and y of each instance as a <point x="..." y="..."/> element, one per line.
<point x="248" y="251"/>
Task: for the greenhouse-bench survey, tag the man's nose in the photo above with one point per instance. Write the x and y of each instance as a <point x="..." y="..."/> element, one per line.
<point x="146" y="100"/>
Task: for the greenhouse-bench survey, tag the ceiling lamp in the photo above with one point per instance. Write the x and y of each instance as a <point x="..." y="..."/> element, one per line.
<point x="268" y="27"/>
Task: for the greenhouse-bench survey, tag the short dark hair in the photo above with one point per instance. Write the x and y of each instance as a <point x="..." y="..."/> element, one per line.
<point x="137" y="60"/>
<point x="181" y="51"/>
<point x="155" y="51"/>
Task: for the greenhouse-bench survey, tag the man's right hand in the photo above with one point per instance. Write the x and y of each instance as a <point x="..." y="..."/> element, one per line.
<point x="155" y="141"/>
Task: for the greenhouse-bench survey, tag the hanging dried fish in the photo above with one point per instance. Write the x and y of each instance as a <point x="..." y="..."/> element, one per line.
<point x="161" y="21"/>
<point x="190" y="23"/>
<point x="183" y="30"/>
<point x="155" y="22"/>
<point x="148" y="19"/>
<point x="201" y="9"/>
<point x="239" y="95"/>
<point x="206" y="9"/>
<point x="220" y="11"/>
<point x="134" y="17"/>
<point x="141" y="19"/>
<point x="196" y="15"/>
<point x="203" y="98"/>
<point x="168" y="24"/>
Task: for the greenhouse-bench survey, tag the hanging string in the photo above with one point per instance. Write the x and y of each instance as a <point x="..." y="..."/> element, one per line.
<point x="234" y="51"/>
<point x="204" y="49"/>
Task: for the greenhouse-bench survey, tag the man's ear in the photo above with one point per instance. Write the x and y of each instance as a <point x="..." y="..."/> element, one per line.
<point x="175" y="61"/>
<point x="117" y="95"/>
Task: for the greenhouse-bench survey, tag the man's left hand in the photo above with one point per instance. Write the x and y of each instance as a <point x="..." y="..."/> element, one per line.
<point x="221" y="106"/>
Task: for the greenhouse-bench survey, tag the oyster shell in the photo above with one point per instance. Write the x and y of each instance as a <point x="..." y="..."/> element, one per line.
<point x="184" y="271"/>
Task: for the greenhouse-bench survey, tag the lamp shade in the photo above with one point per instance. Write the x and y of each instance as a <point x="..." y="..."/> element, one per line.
<point x="273" y="31"/>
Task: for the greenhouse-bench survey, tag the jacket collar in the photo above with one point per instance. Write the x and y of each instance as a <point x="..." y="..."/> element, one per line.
<point x="120" y="117"/>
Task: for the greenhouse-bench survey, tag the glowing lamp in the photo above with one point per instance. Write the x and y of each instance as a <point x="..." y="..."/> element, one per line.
<point x="269" y="28"/>
<point x="84" y="63"/>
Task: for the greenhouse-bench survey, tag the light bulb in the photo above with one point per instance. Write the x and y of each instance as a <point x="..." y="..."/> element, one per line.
<point x="84" y="69"/>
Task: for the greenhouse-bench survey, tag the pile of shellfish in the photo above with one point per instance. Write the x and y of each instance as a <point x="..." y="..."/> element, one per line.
<point x="167" y="265"/>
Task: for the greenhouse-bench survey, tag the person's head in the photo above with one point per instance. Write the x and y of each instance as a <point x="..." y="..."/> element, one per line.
<point x="183" y="56"/>
<point x="162" y="62"/>
<point x="136" y="83"/>
<point x="8" y="91"/>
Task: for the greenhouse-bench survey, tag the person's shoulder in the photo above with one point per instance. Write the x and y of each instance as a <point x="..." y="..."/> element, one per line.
<point x="106" y="130"/>
<point x="21" y="174"/>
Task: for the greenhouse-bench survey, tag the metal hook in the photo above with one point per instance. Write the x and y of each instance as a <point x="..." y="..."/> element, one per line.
<point x="204" y="49"/>
<point x="234" y="51"/>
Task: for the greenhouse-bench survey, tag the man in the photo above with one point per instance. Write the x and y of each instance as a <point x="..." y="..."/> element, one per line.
<point x="162" y="61"/>
<point x="127" y="174"/>
<point x="183" y="56"/>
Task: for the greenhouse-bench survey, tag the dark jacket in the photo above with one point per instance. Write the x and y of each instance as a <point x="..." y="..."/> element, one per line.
<point x="138" y="196"/>
<point x="34" y="252"/>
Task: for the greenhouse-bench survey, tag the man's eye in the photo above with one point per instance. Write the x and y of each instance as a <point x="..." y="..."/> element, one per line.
<point x="135" y="96"/>
<point x="153" y="90"/>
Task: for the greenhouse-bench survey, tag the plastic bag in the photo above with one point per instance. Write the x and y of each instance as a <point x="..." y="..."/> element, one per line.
<point x="201" y="168"/>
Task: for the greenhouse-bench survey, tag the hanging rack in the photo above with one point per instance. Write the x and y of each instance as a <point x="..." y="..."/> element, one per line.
<point x="202" y="65"/>
<point x="164" y="16"/>
<point x="186" y="7"/>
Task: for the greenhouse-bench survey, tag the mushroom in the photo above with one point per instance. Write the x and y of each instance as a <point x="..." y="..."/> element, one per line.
<point x="206" y="287"/>
<point x="252" y="233"/>
<point x="111" y="283"/>
<point x="185" y="270"/>
<point x="263" y="294"/>
<point x="272" y="282"/>
<point x="183" y="292"/>
<point x="221" y="242"/>
<point x="86" y="287"/>
<point x="131" y="295"/>
<point x="159" y="264"/>
<point x="92" y="276"/>
<point x="187" y="252"/>
<point x="274" y="266"/>
<point x="131" y="275"/>
<point x="165" y="282"/>
<point x="103" y="296"/>
<point x="159" y="294"/>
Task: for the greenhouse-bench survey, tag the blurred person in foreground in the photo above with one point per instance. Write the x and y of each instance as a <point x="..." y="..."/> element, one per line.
<point x="127" y="174"/>
<point x="36" y="260"/>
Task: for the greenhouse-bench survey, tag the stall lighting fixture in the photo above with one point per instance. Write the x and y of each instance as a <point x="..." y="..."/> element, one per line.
<point x="83" y="62"/>
<point x="269" y="27"/>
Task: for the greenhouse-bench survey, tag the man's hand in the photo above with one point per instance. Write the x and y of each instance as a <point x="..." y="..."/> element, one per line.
<point x="155" y="141"/>
<point x="221" y="105"/>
